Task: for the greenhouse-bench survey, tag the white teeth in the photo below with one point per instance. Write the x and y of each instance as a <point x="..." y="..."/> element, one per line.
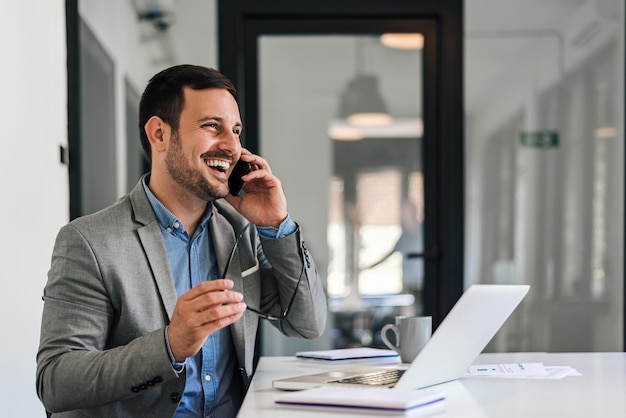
<point x="225" y="165"/>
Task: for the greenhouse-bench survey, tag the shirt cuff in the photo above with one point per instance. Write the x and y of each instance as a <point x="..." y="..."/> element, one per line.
<point x="287" y="227"/>
<point x="178" y="367"/>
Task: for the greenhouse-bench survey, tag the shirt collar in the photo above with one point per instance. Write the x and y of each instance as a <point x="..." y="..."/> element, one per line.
<point x="166" y="219"/>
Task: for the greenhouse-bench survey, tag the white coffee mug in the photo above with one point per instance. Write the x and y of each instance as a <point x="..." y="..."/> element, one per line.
<point x="411" y="335"/>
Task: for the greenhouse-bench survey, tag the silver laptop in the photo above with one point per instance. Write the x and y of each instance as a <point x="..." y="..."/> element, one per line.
<point x="459" y="339"/>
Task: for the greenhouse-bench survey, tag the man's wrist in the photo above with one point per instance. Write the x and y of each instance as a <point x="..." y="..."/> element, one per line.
<point x="287" y="227"/>
<point x="178" y="366"/>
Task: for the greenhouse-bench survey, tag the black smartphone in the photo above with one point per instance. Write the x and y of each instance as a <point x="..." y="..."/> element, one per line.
<point x="234" y="181"/>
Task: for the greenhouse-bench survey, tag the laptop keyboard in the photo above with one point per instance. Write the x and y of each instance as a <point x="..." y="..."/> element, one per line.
<point x="382" y="378"/>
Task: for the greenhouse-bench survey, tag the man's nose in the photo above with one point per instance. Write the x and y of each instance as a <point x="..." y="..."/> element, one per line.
<point x="230" y="141"/>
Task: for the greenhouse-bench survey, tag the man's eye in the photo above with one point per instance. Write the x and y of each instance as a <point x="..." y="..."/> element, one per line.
<point x="237" y="131"/>
<point x="210" y="125"/>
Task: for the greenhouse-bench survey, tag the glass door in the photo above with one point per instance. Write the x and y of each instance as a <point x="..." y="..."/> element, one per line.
<point x="341" y="123"/>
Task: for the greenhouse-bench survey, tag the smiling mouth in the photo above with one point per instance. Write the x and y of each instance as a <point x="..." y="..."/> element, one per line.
<point x="219" y="165"/>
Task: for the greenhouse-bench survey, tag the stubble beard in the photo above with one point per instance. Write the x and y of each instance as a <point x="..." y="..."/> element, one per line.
<point x="188" y="177"/>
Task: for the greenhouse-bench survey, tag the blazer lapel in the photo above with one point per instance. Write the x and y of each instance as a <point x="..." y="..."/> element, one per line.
<point x="152" y="241"/>
<point x="154" y="247"/>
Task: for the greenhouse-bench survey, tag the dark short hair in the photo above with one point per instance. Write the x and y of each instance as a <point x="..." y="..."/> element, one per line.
<point x="164" y="96"/>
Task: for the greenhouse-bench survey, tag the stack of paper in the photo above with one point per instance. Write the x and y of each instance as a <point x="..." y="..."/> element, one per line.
<point x="350" y="355"/>
<point x="378" y="401"/>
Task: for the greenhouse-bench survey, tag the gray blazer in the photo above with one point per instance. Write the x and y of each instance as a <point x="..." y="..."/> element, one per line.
<point x="110" y="294"/>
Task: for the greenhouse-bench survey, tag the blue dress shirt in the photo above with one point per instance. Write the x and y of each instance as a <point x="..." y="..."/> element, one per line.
<point x="213" y="387"/>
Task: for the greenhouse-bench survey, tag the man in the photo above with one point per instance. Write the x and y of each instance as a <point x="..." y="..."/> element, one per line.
<point x="145" y="311"/>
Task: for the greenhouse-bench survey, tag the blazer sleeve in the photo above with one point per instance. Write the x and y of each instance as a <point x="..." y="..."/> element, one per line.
<point x="290" y="262"/>
<point x="75" y="367"/>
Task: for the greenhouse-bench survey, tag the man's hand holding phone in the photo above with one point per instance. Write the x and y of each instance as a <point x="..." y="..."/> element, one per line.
<point x="263" y="202"/>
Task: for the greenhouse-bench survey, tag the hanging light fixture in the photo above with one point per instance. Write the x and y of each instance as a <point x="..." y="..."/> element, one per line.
<point x="361" y="103"/>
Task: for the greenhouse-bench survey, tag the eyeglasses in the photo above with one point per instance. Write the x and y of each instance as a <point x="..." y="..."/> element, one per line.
<point x="268" y="316"/>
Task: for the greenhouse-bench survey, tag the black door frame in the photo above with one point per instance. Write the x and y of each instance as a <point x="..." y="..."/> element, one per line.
<point x="242" y="21"/>
<point x="72" y="24"/>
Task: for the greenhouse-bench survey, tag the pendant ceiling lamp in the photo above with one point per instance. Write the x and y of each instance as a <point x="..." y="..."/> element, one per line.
<point x="360" y="102"/>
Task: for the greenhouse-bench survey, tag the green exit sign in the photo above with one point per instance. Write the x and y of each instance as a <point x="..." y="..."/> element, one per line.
<point x="539" y="139"/>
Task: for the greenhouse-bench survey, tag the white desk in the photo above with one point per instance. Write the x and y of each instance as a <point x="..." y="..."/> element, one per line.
<point x="600" y="392"/>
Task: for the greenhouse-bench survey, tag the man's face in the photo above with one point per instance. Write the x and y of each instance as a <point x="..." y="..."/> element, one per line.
<point x="203" y="151"/>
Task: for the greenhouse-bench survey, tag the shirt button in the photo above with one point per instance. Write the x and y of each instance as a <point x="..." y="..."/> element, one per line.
<point x="176" y="224"/>
<point x="207" y="378"/>
<point x="169" y="230"/>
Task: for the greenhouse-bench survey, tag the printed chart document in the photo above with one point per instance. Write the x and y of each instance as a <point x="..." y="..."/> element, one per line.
<point x="377" y="401"/>
<point x="350" y="355"/>
<point x="520" y="371"/>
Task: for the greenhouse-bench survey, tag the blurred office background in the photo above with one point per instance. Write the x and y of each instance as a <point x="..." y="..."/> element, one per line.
<point x="543" y="167"/>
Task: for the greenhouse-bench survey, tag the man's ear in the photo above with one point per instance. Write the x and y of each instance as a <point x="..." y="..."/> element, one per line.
<point x="158" y="133"/>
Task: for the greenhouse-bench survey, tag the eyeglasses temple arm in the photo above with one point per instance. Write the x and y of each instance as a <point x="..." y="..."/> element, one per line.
<point x="232" y="253"/>
<point x="295" y="292"/>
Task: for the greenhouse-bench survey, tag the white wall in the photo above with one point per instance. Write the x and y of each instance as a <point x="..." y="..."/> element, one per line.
<point x="33" y="184"/>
